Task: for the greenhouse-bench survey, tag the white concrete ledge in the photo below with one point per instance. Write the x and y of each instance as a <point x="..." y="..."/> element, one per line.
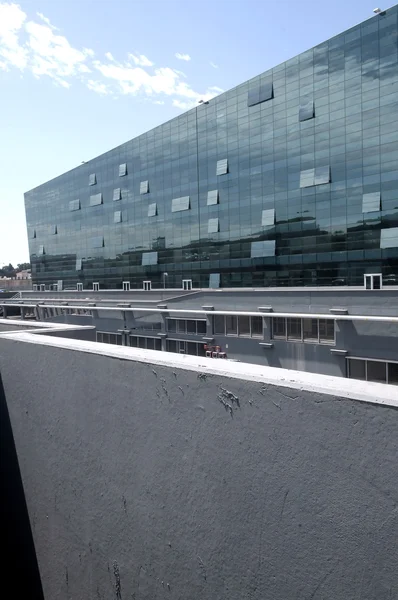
<point x="374" y="393"/>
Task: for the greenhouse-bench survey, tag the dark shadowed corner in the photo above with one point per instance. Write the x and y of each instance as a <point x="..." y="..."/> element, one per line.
<point x="19" y="564"/>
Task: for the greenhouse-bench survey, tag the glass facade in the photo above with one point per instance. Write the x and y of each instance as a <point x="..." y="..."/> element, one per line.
<point x="288" y="179"/>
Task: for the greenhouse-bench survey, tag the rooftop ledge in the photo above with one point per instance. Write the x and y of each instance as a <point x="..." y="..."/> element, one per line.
<point x="373" y="393"/>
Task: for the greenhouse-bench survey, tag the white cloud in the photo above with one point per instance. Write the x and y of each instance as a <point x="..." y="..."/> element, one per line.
<point x="98" y="87"/>
<point x="212" y="64"/>
<point x="141" y="60"/>
<point x="37" y="47"/>
<point x="47" y="21"/>
<point x="182" y="56"/>
<point x="12" y="53"/>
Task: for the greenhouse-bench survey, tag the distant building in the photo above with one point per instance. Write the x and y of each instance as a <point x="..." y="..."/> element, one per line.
<point x="24" y="274"/>
<point x="289" y="179"/>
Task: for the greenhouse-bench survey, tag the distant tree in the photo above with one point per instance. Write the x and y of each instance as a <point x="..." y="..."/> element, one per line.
<point x="23" y="266"/>
<point x="7" y="271"/>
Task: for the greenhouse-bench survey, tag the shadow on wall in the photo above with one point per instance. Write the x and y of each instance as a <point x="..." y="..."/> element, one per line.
<point x="19" y="563"/>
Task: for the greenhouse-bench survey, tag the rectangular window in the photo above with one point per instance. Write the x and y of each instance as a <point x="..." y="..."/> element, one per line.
<point x="214" y="280"/>
<point x="231" y="324"/>
<point x="389" y="238"/>
<point x="244" y="325"/>
<point x="92" y="179"/>
<point x="181" y="326"/>
<point x="294" y="329"/>
<point x="201" y="327"/>
<point x="54" y="230"/>
<point x="152" y="210"/>
<point x="179" y="204"/>
<point x="260" y="93"/>
<point x="191" y="326"/>
<point x="144" y="187"/>
<point x="219" y="325"/>
<point x="171" y="325"/>
<point x="306" y="111"/>
<point x="222" y="167"/>
<point x="213" y="226"/>
<point x="74" y="205"/>
<point x="268" y="217"/>
<point x="310" y="330"/>
<point x="149" y="258"/>
<point x="96" y="199"/>
<point x="33" y="233"/>
<point x="78" y="264"/>
<point x="256" y="326"/>
<point x="117" y="194"/>
<point x="357" y="369"/>
<point x="279" y="328"/>
<point x="97" y="242"/>
<point x="117" y="216"/>
<point x="326" y="331"/>
<point x="171" y="346"/>
<point x="263" y="248"/>
<point x="392" y="373"/>
<point x="41" y="250"/>
<point x="122" y="170"/>
<point x="371" y="202"/>
<point x="307" y="178"/>
<point x="212" y="197"/>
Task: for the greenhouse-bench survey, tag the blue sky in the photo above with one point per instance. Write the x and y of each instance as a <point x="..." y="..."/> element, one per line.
<point x="78" y="77"/>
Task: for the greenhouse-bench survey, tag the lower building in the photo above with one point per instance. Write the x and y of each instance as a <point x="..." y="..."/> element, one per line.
<point x="332" y="331"/>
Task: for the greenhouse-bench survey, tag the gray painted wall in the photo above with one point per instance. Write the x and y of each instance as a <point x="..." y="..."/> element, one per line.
<point x="145" y="482"/>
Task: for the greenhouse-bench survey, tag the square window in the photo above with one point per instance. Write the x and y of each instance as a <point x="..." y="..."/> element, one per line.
<point x="357" y="369"/>
<point x="117" y="194"/>
<point x="389" y="238"/>
<point x="260" y="93"/>
<point x="307" y="178"/>
<point x="96" y="199"/>
<point x="371" y="202"/>
<point x="92" y="179"/>
<point x="117" y="216"/>
<point x="97" y="242"/>
<point x="122" y="170"/>
<point x="212" y="197"/>
<point x="268" y="217"/>
<point x="322" y="175"/>
<point x="179" y="204"/>
<point x="149" y="258"/>
<point x="263" y="248"/>
<point x="306" y="111"/>
<point x="152" y="210"/>
<point x="213" y="226"/>
<point x="376" y="371"/>
<point x="222" y="167"/>
<point x="74" y="205"/>
<point x="144" y="187"/>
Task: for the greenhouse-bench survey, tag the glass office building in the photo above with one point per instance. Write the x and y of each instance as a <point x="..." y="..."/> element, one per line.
<point x="290" y="179"/>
